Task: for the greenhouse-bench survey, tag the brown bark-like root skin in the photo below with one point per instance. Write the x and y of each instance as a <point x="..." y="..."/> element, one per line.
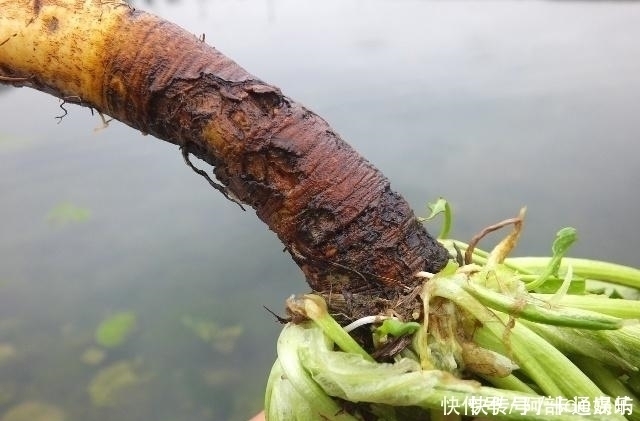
<point x="335" y="212"/>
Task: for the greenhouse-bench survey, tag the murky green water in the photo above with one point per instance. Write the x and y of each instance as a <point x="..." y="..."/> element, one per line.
<point x="494" y="105"/>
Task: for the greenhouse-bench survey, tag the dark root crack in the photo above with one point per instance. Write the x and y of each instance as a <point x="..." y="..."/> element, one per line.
<point x="221" y="188"/>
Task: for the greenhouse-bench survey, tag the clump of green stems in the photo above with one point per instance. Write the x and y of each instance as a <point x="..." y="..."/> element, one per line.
<point x="494" y="328"/>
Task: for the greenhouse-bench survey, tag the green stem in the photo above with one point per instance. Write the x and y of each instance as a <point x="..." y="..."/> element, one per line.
<point x="541" y="312"/>
<point x="576" y="342"/>
<point x="316" y="309"/>
<point x="608" y="382"/>
<point x="617" y="307"/>
<point x="403" y="384"/>
<point x="552" y="371"/>
<point x="510" y="382"/>
<point x="587" y="268"/>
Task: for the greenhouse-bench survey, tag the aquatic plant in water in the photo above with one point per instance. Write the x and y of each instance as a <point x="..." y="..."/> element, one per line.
<point x="67" y="212"/>
<point x="93" y="356"/>
<point x="222" y="338"/>
<point x="7" y="353"/>
<point x="34" y="411"/>
<point x="111" y="383"/>
<point x="116" y="329"/>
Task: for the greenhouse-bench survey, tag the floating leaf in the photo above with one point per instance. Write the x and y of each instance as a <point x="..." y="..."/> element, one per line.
<point x="222" y="339"/>
<point x="34" y="411"/>
<point x="93" y="356"/>
<point x="109" y="385"/>
<point x="226" y="338"/>
<point x="67" y="212"/>
<point x="7" y="352"/>
<point x="116" y="329"/>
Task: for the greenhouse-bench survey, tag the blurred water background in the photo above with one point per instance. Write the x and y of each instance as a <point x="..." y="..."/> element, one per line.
<point x="491" y="104"/>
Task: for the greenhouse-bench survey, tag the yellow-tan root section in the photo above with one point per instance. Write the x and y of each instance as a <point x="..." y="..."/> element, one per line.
<point x="58" y="46"/>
